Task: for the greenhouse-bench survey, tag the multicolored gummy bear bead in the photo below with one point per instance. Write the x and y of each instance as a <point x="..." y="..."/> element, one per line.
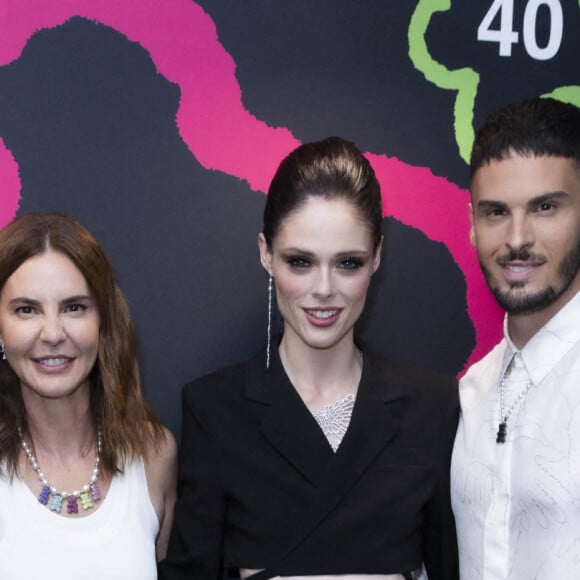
<point x="44" y="495"/>
<point x="56" y="505"/>
<point x="86" y="501"/>
<point x="71" y="505"/>
<point x="95" y="492"/>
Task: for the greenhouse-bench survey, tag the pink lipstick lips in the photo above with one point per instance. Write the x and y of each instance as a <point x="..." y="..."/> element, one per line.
<point x="322" y="317"/>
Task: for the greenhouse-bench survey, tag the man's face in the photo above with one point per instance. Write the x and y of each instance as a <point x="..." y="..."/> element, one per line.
<point x="525" y="225"/>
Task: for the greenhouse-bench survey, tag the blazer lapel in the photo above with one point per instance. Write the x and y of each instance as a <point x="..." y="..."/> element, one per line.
<point x="374" y="423"/>
<point x="286" y="422"/>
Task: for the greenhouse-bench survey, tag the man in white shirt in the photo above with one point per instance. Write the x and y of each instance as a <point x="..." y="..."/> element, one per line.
<point x="516" y="461"/>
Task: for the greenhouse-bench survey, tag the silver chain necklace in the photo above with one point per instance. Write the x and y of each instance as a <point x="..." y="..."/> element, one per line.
<point x="504" y="415"/>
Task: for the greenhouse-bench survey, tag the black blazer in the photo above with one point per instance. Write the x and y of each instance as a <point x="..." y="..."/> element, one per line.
<point x="260" y="486"/>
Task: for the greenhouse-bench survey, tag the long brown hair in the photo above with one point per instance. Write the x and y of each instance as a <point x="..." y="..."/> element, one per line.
<point x="129" y="426"/>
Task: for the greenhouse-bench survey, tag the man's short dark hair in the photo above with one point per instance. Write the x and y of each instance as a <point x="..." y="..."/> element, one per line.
<point x="534" y="127"/>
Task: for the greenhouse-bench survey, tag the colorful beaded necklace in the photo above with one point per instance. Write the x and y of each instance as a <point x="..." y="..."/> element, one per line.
<point x="88" y="494"/>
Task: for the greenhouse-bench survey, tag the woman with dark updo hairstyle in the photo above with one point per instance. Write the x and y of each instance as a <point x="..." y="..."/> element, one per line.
<point x="87" y="472"/>
<point x="319" y="458"/>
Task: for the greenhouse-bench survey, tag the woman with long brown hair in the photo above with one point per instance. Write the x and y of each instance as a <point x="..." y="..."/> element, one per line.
<point x="87" y="472"/>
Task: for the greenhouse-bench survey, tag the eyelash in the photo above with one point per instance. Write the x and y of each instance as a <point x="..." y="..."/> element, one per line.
<point x="349" y="263"/>
<point x="546" y="206"/>
<point x="74" y="308"/>
<point x="298" y="262"/>
<point x="495" y="212"/>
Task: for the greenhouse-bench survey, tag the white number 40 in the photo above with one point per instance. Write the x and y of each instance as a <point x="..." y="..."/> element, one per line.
<point x="505" y="36"/>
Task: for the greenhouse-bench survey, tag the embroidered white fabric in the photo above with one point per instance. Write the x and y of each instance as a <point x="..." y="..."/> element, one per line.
<point x="516" y="504"/>
<point x="334" y="419"/>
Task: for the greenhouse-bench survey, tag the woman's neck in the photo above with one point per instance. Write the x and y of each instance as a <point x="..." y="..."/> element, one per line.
<point x="321" y="375"/>
<point x="60" y="432"/>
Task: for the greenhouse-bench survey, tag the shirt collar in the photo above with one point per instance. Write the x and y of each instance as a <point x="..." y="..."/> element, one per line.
<point x="549" y="345"/>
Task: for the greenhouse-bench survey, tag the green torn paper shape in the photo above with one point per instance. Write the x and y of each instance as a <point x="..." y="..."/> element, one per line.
<point x="464" y="81"/>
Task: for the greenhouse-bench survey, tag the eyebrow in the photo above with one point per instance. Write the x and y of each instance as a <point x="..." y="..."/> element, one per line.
<point x="307" y="254"/>
<point x="24" y="300"/>
<point x="31" y="302"/>
<point x="548" y="196"/>
<point x="491" y="203"/>
<point x="78" y="298"/>
<point x="292" y="251"/>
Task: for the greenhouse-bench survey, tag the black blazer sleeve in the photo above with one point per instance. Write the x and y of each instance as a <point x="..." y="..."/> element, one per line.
<point x="196" y="545"/>
<point x="439" y="541"/>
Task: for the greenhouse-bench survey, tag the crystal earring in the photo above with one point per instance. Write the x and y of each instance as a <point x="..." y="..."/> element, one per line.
<point x="3" y="351"/>
<point x="270" y="284"/>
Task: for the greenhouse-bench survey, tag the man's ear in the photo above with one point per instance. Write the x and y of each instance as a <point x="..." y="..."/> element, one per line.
<point x="472" y="228"/>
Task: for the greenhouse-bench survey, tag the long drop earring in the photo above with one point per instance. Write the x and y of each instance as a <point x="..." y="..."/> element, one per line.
<point x="3" y="351"/>
<point x="270" y="284"/>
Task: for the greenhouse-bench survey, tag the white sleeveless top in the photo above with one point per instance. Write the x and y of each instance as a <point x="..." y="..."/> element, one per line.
<point x="116" y="541"/>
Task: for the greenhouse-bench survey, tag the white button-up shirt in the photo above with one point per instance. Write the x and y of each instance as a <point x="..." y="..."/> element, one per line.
<point x="517" y="504"/>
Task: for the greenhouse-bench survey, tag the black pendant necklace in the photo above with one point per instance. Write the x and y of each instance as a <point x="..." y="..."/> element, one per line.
<point x="501" y="431"/>
<point x="504" y="415"/>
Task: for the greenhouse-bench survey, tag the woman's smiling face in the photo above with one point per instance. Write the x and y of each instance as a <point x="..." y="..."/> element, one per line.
<point x="322" y="260"/>
<point x="49" y="324"/>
